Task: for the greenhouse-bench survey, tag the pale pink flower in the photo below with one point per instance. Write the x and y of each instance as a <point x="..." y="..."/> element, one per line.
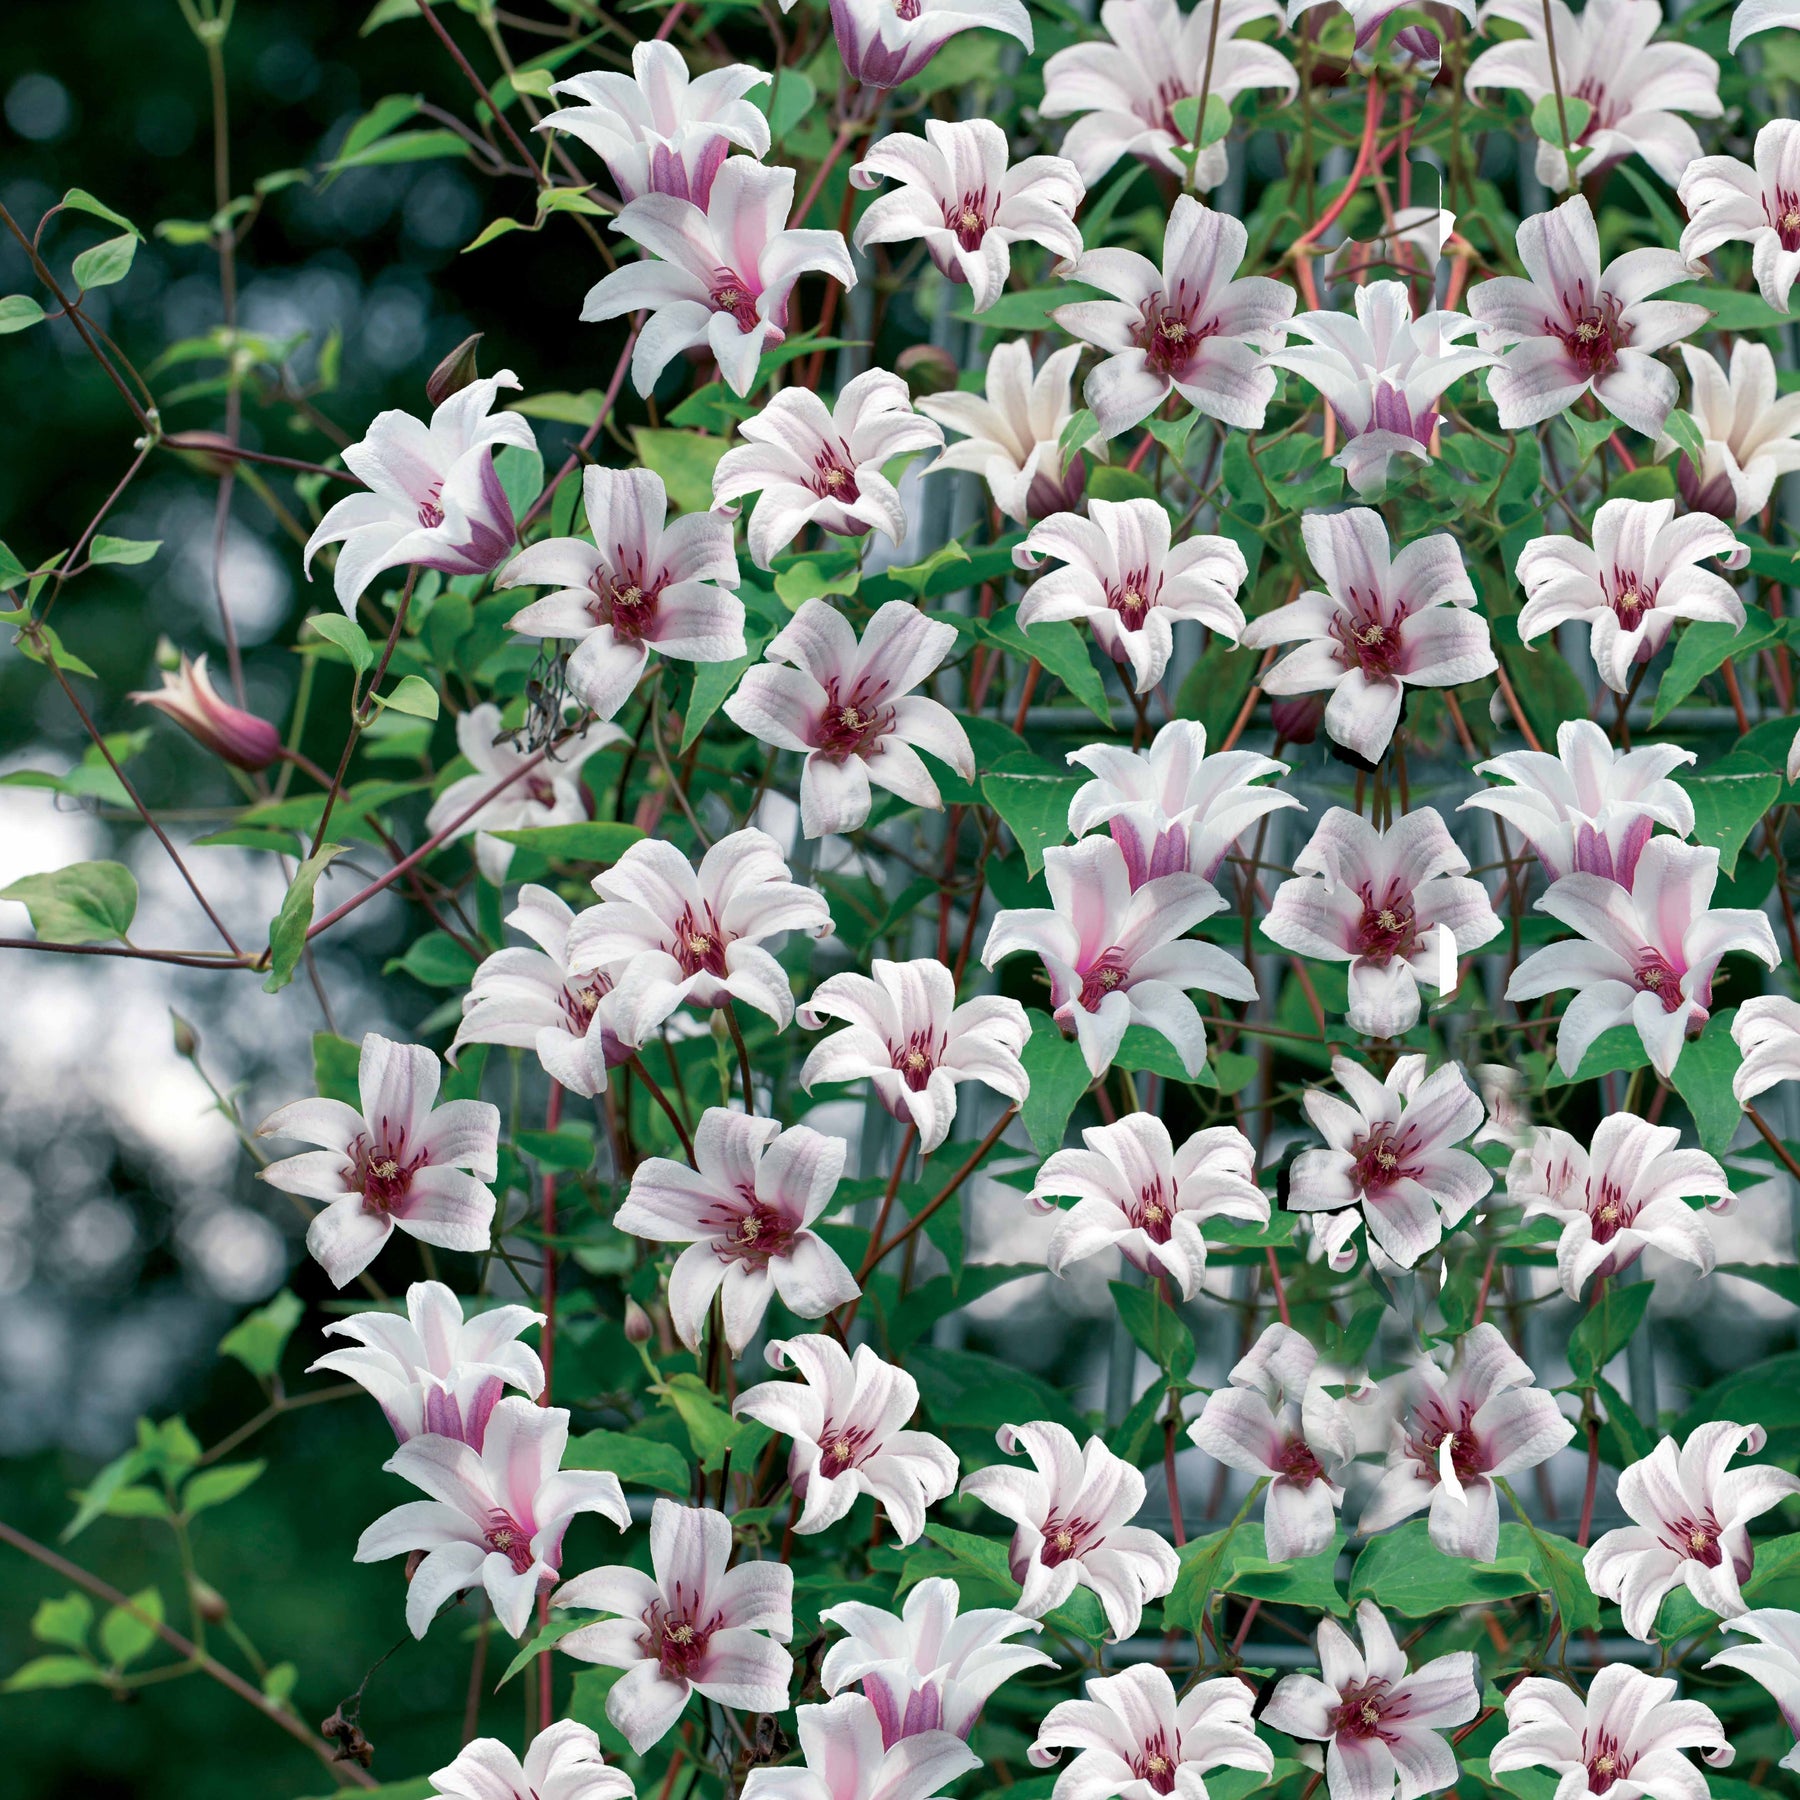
<point x="1277" y="1421"/>
<point x="886" y="42"/>
<point x="814" y="464"/>
<point x="1773" y="1662"/>
<point x="1690" y="1524"/>
<point x="1070" y="1515"/>
<point x="1458" y="1431"/>
<point x="964" y="197"/>
<point x="547" y="794"/>
<point x="1382" y="372"/>
<point x="1641" y="575"/>
<point x="189" y="698"/>
<point x="694" y="937"/>
<point x="1626" y="1196"/>
<point x="641" y="585"/>
<point x="434" y="499"/>
<point x="1767" y="1034"/>
<point x="1134" y="1192"/>
<point x="1729" y="202"/>
<point x="1154" y="56"/>
<point x="1397" y="905"/>
<point x="1187" y="327"/>
<point x="1752" y="16"/>
<point x="1645" y="955"/>
<point x="1589" y="807"/>
<point x="563" y="1762"/>
<point x="1013" y="437"/>
<point x="1124" y="577"/>
<point x="1383" y="1726"/>
<point x="1116" y="956"/>
<point x="1391" y="1152"/>
<point x="1604" y="55"/>
<point x="849" y="708"/>
<point x="1172" y="808"/>
<point x="1571" y="327"/>
<point x="929" y="1667"/>
<point x="1749" y="432"/>
<point x="1384" y="623"/>
<point x="717" y="277"/>
<point x="658" y="130"/>
<point x="847" y="1418"/>
<point x="745" y="1212"/>
<point x="694" y="1625"/>
<point x="401" y="1161"/>
<point x="432" y="1371"/>
<point x="846" y="1758"/>
<point x="1136" y="1741"/>
<point x="905" y="1034"/>
<point x="496" y="1516"/>
<point x="1623" y="1742"/>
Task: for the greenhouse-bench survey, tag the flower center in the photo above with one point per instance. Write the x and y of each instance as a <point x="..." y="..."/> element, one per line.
<point x="1595" y="334"/>
<point x="581" y="1001"/>
<point x="431" y="515"/>
<point x="626" y="602"/>
<point x="698" y="945"/>
<point x="1613" y="1213"/>
<point x="1106" y="976"/>
<point x="677" y="1639"/>
<point x="732" y="294"/>
<point x="507" y="1536"/>
<point x="1170" y="332"/>
<point x="834" y="475"/>
<point x="754" y="1235"/>
<point x="968" y="218"/>
<point x="1157" y="1767"/>
<point x="849" y="725"/>
<point x="1359" y="1710"/>
<point x="1378" y="1159"/>
<point x="1063" y="1539"/>
<point x="1154" y="1212"/>
<point x="384" y="1174"/>
<point x="916" y="1058"/>
<point x="1695" y="1539"/>
<point x="1608" y="1766"/>
<point x="1388" y="928"/>
<point x="1298" y="1465"/>
<point x="908" y="9"/>
<point x="1632" y="597"/>
<point x="1368" y="638"/>
<point x="1655" y="974"/>
<point x="1134" y="596"/>
<point x="1783" y="212"/>
<point x="840" y="1446"/>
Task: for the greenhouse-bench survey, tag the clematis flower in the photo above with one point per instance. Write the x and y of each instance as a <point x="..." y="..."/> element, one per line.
<point x="658" y="130"/>
<point x="745" y="1211"/>
<point x="1384" y="623"/>
<point x="1628" y="1196"/>
<point x="1773" y="1662"/>
<point x="1397" y="905"/>
<point x="1278" y="1422"/>
<point x="1640" y="576"/>
<point x="717" y="276"/>
<point x="1751" y="16"/>
<point x="401" y="1161"/>
<point x="1690" y="1525"/>
<point x="496" y="1516"/>
<point x="846" y="1759"/>
<point x="642" y="585"/>
<point x="1767" y="1034"/>
<point x="847" y="1419"/>
<point x="1122" y="575"/>
<point x="1116" y="957"/>
<point x="1137" y="1742"/>
<point x="849" y="709"/>
<point x="1645" y="955"/>
<point x="960" y="196"/>
<point x="549" y="793"/>
<point x="1459" y="1431"/>
<point x="1589" y="807"/>
<point x="1391" y="1152"/>
<point x="432" y="1371"/>
<point x="1750" y="434"/>
<point x="1366" y="16"/>
<point x="929" y="1668"/>
<point x="532" y="1000"/>
<point x="820" y="465"/>
<point x="1383" y="1726"/>
<point x="1070" y="1529"/>
<point x="1136" y="1193"/>
<point x="563" y="1762"/>
<point x="1604" y="55"/>
<point x="885" y="42"/>
<point x="1188" y="326"/>
<point x="190" y="699"/>
<point x="694" y="937"/>
<point x="1172" y="808"/>
<point x="1729" y="202"/>
<point x="1013" y="438"/>
<point x="434" y="499"/>
<point x="1383" y="372"/>
<point x="694" y="1625"/>
<point x="1155" y="56"/>
<point x="1571" y="327"/>
<point x="906" y="1035"/>
<point x="1625" y="1740"/>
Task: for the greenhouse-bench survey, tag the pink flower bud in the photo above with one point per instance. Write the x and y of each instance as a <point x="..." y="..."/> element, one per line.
<point x="454" y="373"/>
<point x="638" y="1324"/>
<point x="1297" y="717"/>
<point x="239" y="737"/>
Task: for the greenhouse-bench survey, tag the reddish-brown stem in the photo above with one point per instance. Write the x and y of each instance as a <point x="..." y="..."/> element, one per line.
<point x="520" y="148"/>
<point x="1281" y="1305"/>
<point x="1774" y="1143"/>
<point x="877" y="1252"/>
<point x="1593" y="1481"/>
<point x="1328" y="218"/>
<point x="187" y="959"/>
<point x="1517" y="711"/>
<point x="663" y="1100"/>
<point x="1487" y="1281"/>
<point x="587" y="437"/>
<point x="237" y="453"/>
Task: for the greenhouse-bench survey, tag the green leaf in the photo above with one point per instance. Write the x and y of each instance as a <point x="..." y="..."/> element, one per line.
<point x="105" y="263"/>
<point x="786" y="101"/>
<point x="18" y="312"/>
<point x="80" y="200"/>
<point x="66" y="1621"/>
<point x="710" y="1428"/>
<point x="1131" y="1437"/>
<point x="1616" y="1051"/>
<point x="1549" y="690"/>
<point x="402" y="147"/>
<point x="539" y="1642"/>
<point x="1624" y="1438"/>
<point x="258" y="1339"/>
<point x="1155" y="1328"/>
<point x="349" y="638"/>
<point x="589" y="840"/>
<point x="1703" y="1076"/>
<point x="288" y="929"/>
<point x="435" y="960"/>
<point x="1548" y="121"/>
<point x="1235" y="1560"/>
<point x="1606" y="1328"/>
<point x="1690" y="440"/>
<point x="1704" y="647"/>
<point x="713" y="683"/>
<point x="963" y="1390"/>
<point x="1776" y="1559"/>
<point x="988" y="1560"/>
<point x="1214" y="689"/>
<point x="569" y="1149"/>
<point x="123" y="550"/>
<point x="1556" y="1564"/>
<point x="1731" y="310"/>
<point x="1061" y="649"/>
<point x="415" y="696"/>
<point x="92" y="1503"/>
<point x="1405" y="1573"/>
<point x="1059" y="1077"/>
<point x="12" y="571"/>
<point x="124" y="1636"/>
<point x="685" y="460"/>
<point x="945" y="1294"/>
<point x="213" y="1487"/>
<point x="640" y="1461"/>
<point x="86" y="903"/>
<point x="1035" y="808"/>
<point x="50" y="1672"/>
<point x="336" y="1062"/>
<point x="817" y="578"/>
<point x="1767" y="1391"/>
<point x="1728" y="807"/>
<point x="1590" y="434"/>
<point x="916" y="578"/>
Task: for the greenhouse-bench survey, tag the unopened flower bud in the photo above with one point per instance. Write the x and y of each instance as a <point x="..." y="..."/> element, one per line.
<point x="209" y="1603"/>
<point x="454" y="373"/>
<point x="927" y="369"/>
<point x="639" y="1326"/>
<point x="1297" y="717"/>
<point x="414" y="1558"/>
<point x="190" y="699"/>
<point x="167" y="657"/>
<point x="187" y="1039"/>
